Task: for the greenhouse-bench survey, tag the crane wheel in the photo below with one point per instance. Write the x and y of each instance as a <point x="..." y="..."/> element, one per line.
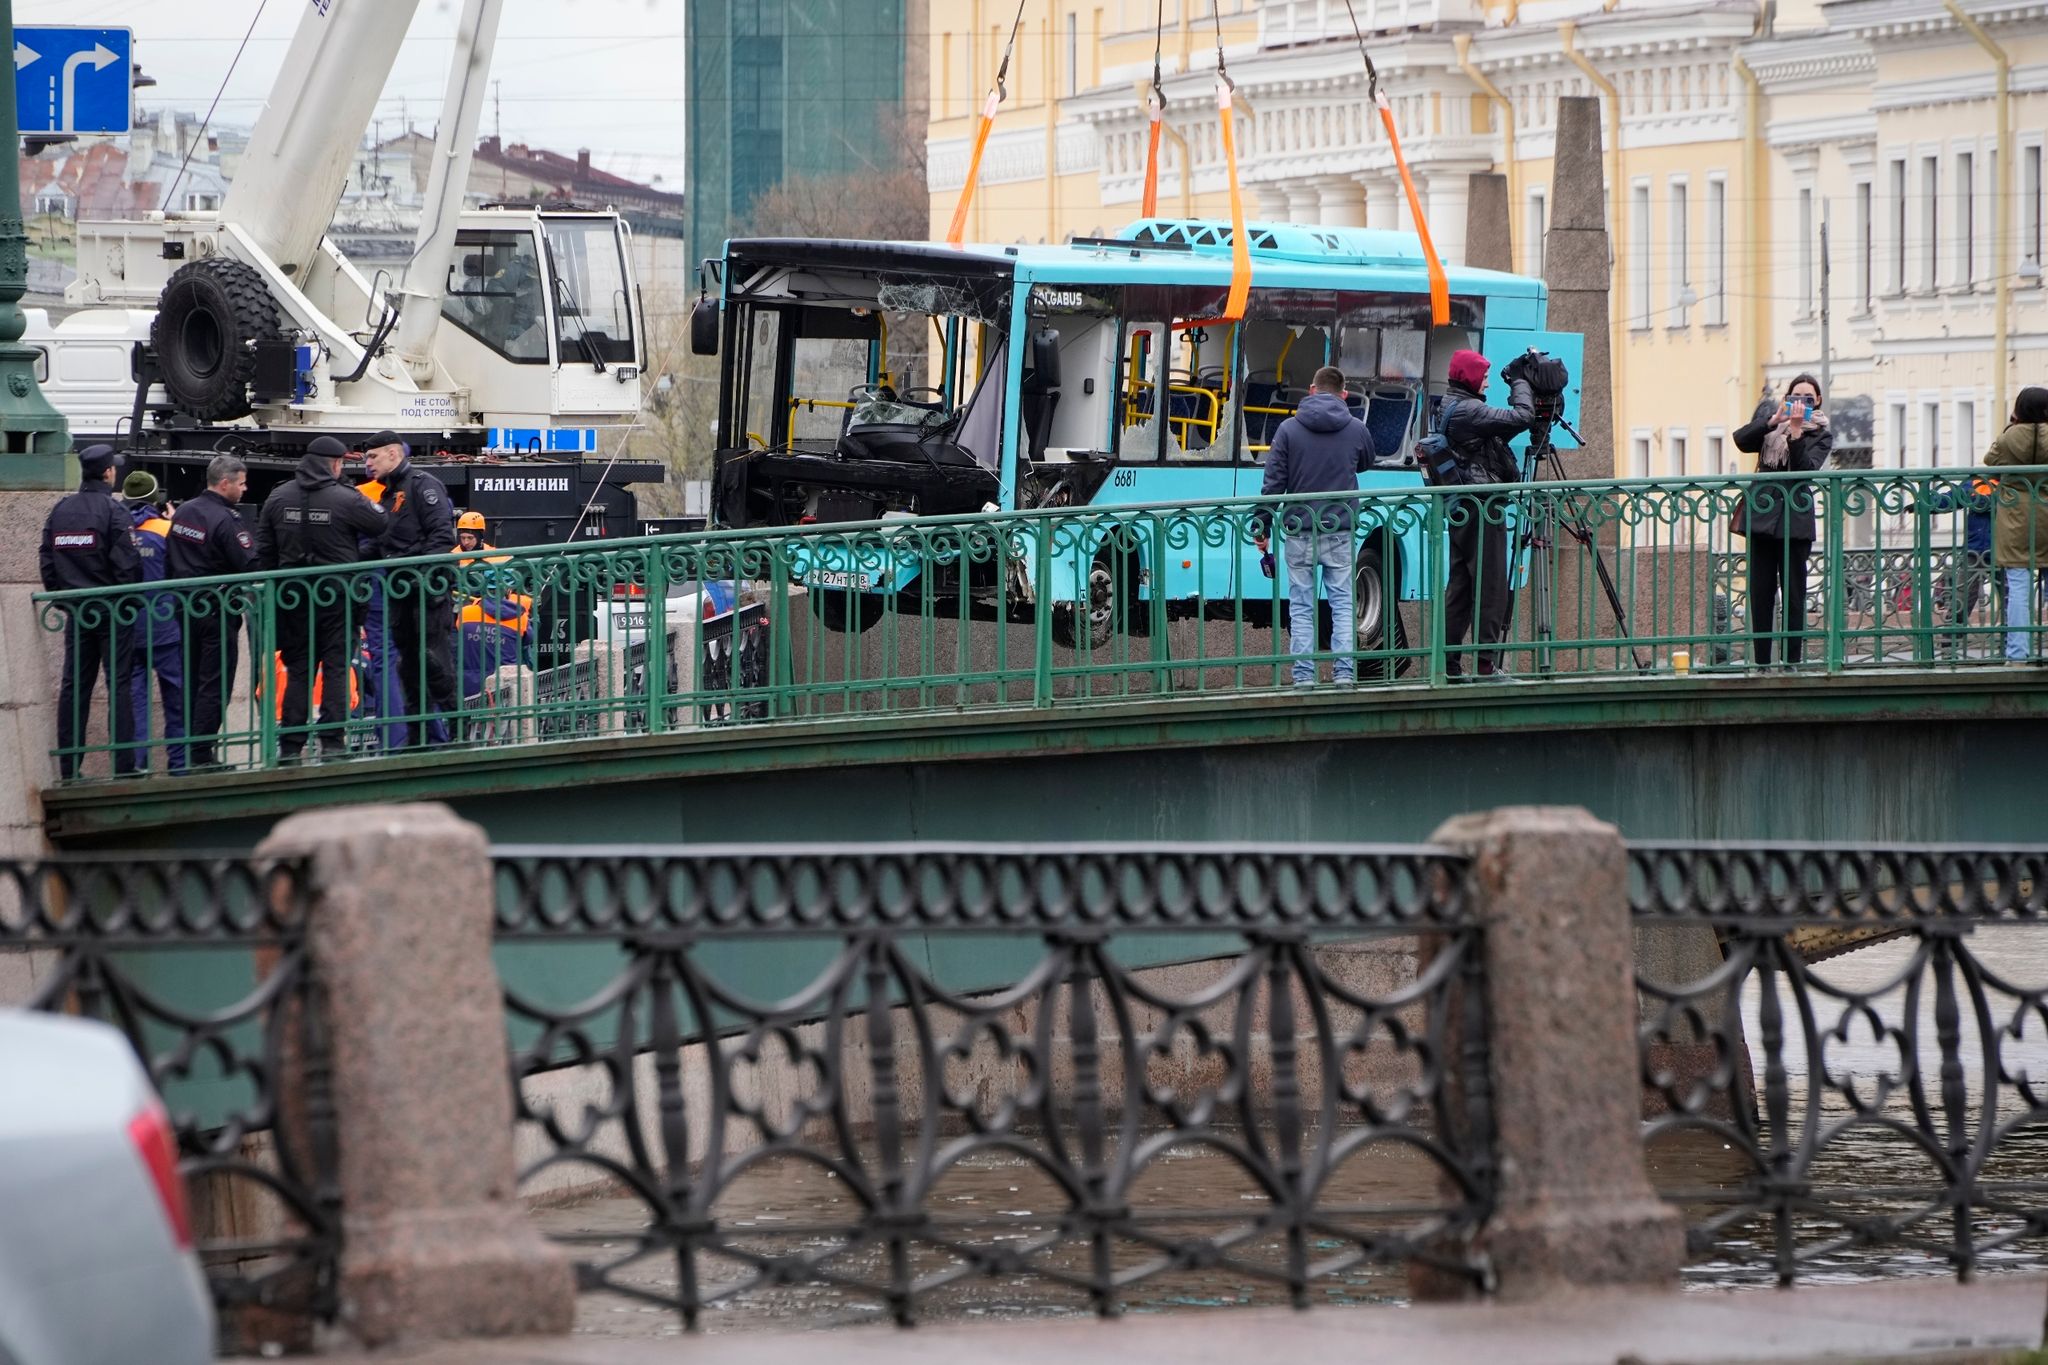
<point x="208" y="321"/>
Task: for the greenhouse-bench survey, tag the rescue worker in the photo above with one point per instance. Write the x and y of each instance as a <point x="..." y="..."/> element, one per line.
<point x="1477" y="436"/>
<point x="89" y="542"/>
<point x="160" y="651"/>
<point x="207" y="539"/>
<point x="314" y="520"/>
<point x="469" y="536"/>
<point x="495" y="631"/>
<point x="419" y="520"/>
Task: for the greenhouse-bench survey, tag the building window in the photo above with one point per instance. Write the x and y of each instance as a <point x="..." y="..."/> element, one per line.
<point x="1930" y="223"/>
<point x="1930" y="434"/>
<point x="1639" y="254"/>
<point x="2030" y="204"/>
<point x="1073" y="52"/>
<point x="1866" y="253"/>
<point x="1966" y="219"/>
<point x="197" y="202"/>
<point x="945" y="109"/>
<point x="1898" y="226"/>
<point x="1717" y="252"/>
<point x="1806" y="253"/>
<point x="1717" y="455"/>
<point x="1680" y="232"/>
<point x="1679" y="447"/>
<point x="50" y="203"/>
<point x="1639" y="456"/>
<point x="1966" y="431"/>
<point x="1898" y="435"/>
<point x="1539" y="211"/>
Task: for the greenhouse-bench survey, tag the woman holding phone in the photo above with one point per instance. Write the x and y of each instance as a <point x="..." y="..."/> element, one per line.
<point x="1777" y="518"/>
<point x="2019" y="532"/>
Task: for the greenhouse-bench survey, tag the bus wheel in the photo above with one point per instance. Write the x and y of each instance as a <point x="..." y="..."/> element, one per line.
<point x="1093" y="624"/>
<point x="849" y="613"/>
<point x="1376" y="606"/>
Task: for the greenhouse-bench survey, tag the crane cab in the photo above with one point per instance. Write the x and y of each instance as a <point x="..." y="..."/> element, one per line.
<point x="544" y="321"/>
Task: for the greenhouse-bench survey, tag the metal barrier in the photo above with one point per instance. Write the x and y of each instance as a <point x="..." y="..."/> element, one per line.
<point x="856" y="1030"/>
<point x="202" y="962"/>
<point x="1897" y="1105"/>
<point x="1056" y="606"/>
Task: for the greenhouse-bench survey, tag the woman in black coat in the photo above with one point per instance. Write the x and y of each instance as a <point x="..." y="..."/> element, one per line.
<point x="1778" y="518"/>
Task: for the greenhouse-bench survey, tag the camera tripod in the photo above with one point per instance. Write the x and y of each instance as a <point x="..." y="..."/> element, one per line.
<point x="1538" y="533"/>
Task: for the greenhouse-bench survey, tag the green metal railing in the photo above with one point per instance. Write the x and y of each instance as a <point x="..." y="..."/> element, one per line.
<point x="1048" y="608"/>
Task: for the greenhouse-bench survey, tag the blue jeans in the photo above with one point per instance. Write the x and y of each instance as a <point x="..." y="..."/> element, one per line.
<point x="167" y="659"/>
<point x="1333" y="551"/>
<point x="2019" y="611"/>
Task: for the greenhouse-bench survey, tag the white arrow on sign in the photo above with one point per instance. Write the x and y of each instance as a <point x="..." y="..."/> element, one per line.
<point x="23" y="54"/>
<point x="99" y="57"/>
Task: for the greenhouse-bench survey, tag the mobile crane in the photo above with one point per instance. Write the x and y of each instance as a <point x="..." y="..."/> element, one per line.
<point x="513" y="332"/>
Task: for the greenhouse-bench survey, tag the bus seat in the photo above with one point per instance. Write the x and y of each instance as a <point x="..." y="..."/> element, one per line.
<point x="1388" y="419"/>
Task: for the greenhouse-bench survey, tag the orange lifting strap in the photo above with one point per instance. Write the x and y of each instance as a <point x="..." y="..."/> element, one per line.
<point x="957" y="232"/>
<point x="1439" y="284"/>
<point x="1240" y="240"/>
<point x="1155" y="113"/>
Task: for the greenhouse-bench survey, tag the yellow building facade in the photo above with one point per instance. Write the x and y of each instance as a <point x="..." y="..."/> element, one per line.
<point x="1732" y="131"/>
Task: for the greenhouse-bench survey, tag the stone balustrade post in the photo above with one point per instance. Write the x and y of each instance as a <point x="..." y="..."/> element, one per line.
<point x="435" y="1243"/>
<point x="1575" y="1206"/>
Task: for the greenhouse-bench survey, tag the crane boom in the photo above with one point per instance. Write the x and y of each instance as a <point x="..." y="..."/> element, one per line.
<point x="283" y="194"/>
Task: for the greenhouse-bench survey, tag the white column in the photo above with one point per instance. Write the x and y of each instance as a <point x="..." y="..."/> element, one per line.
<point x="1271" y="203"/>
<point x="1342" y="201"/>
<point x="1444" y="200"/>
<point x="1382" y="201"/>
<point x="1304" y="205"/>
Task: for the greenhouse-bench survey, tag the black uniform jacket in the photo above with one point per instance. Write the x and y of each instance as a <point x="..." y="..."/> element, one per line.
<point x="1478" y="434"/>
<point x="314" y="519"/>
<point x="207" y="538"/>
<point x="89" y="541"/>
<point x="419" y="519"/>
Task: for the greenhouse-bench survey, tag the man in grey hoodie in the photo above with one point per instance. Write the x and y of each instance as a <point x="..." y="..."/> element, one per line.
<point x="1321" y="449"/>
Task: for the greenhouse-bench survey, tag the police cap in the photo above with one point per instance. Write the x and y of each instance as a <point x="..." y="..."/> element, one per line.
<point x="383" y="438"/>
<point x="94" y="461"/>
<point x="328" y="446"/>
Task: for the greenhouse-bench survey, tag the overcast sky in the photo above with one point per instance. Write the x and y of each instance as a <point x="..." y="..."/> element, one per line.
<point x="602" y="74"/>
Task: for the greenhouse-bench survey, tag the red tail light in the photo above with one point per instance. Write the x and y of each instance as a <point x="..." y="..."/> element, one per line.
<point x="620" y="590"/>
<point x="150" y="1131"/>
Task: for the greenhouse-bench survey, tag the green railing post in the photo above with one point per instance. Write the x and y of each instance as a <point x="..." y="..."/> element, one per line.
<point x="262" y="665"/>
<point x="781" y="648"/>
<point x="1837" y="589"/>
<point x="1155" y="620"/>
<point x="1436" y="577"/>
<point x="1041" y="611"/>
<point x="655" y="674"/>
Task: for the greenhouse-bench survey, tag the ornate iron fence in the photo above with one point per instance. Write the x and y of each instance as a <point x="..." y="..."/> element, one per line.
<point x="1898" y="1108"/>
<point x="856" y="1032"/>
<point x="1053" y="606"/>
<point x="202" y="963"/>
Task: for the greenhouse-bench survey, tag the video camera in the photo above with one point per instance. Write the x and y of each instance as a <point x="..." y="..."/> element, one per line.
<point x="1547" y="375"/>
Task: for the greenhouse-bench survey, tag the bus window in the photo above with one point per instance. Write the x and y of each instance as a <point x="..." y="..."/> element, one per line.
<point x="832" y="366"/>
<point x="762" y="336"/>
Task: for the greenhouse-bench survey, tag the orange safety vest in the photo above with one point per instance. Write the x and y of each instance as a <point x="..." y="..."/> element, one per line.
<point x="156" y="526"/>
<point x="355" y="689"/>
<point x="473" y="612"/>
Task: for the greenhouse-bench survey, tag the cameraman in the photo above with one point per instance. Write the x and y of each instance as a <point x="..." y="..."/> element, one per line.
<point x="1477" y="437"/>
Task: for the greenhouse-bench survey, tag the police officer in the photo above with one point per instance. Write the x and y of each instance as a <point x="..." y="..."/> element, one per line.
<point x="315" y="519"/>
<point x="160" y="651"/>
<point x="207" y="539"/>
<point x="89" y="542"/>
<point x="419" y="521"/>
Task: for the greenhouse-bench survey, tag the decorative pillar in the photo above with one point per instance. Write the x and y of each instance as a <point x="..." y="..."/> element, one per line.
<point x="1382" y="201"/>
<point x="1342" y="201"/>
<point x="1575" y="265"/>
<point x="1304" y="205"/>
<point x="1489" y="241"/>
<point x="1443" y="199"/>
<point x="1272" y="202"/>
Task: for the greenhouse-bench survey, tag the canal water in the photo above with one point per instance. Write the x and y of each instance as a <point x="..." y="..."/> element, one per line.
<point x="1868" y="1167"/>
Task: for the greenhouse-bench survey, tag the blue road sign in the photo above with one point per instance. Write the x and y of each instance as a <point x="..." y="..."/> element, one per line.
<point x="72" y="80"/>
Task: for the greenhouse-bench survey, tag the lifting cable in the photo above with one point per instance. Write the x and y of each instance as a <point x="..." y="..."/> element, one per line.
<point x="1439" y="285"/>
<point x="996" y="95"/>
<point x="1155" y="112"/>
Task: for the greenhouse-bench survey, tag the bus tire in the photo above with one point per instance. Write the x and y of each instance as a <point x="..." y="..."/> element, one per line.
<point x="848" y="613"/>
<point x="208" y="320"/>
<point x="1109" y="610"/>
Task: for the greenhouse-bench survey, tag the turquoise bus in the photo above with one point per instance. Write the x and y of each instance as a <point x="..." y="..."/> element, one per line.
<point x="872" y="382"/>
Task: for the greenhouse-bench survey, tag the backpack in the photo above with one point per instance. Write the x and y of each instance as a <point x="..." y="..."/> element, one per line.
<point x="1440" y="466"/>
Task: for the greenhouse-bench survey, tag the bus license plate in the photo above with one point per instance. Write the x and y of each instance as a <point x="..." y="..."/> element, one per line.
<point x="851" y="579"/>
